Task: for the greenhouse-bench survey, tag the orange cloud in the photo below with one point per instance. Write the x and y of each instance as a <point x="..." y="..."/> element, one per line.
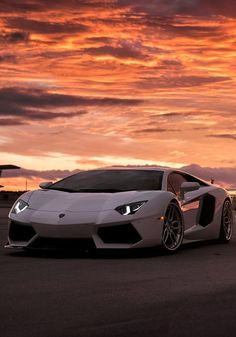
<point x="153" y="82"/>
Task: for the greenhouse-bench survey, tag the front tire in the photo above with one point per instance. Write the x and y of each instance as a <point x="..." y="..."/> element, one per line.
<point x="173" y="228"/>
<point x="226" y="229"/>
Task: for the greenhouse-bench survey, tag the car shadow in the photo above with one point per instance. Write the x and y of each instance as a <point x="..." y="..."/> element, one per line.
<point x="90" y="254"/>
<point x="110" y="253"/>
<point x="200" y="244"/>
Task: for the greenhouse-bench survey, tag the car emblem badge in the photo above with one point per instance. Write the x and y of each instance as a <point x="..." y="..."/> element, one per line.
<point x="61" y="215"/>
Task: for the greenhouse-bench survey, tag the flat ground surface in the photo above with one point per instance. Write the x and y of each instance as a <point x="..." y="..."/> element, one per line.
<point x="192" y="293"/>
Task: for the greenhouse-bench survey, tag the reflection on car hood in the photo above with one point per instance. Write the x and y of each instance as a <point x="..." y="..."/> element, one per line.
<point x="52" y="200"/>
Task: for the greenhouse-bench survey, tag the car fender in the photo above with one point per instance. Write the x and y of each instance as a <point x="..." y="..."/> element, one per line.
<point x="158" y="202"/>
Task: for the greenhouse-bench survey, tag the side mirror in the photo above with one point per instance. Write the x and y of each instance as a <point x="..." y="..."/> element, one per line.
<point x="188" y="187"/>
<point x="45" y="184"/>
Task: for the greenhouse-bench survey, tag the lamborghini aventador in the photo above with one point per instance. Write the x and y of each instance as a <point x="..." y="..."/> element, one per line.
<point x="121" y="208"/>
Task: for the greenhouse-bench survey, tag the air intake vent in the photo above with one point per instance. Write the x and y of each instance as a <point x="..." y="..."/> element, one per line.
<point x="207" y="210"/>
<point x="20" y="232"/>
<point x="119" y="234"/>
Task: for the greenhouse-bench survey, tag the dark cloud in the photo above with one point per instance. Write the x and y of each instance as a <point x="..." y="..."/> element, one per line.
<point x="179" y="81"/>
<point x="118" y="52"/>
<point x="165" y="115"/>
<point x="21" y="114"/>
<point x="7" y="6"/>
<point x="168" y="25"/>
<point x="200" y="128"/>
<point x="176" y="26"/>
<point x="182" y="7"/>
<point x="155" y="130"/>
<point x="208" y="7"/>
<point x="154" y="7"/>
<point x="11" y="121"/>
<point x="100" y="39"/>
<point x="35" y="104"/>
<point x="45" y="27"/>
<point x="58" y="54"/>
<point x="224" y="136"/>
<point x="124" y="49"/>
<point x="23" y="6"/>
<point x="173" y="116"/>
<point x="221" y="175"/>
<point x="44" y="115"/>
<point x="171" y="63"/>
<point x="169" y="114"/>
<point x="15" y="37"/>
<point x="7" y="58"/>
<point x="194" y="31"/>
<point x="39" y="98"/>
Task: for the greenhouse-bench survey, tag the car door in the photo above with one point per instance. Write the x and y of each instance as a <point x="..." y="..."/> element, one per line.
<point x="190" y="206"/>
<point x="198" y="206"/>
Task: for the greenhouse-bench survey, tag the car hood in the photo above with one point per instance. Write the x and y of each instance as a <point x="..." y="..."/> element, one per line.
<point x="49" y="200"/>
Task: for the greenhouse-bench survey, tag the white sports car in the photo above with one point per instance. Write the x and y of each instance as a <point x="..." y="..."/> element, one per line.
<point x="121" y="208"/>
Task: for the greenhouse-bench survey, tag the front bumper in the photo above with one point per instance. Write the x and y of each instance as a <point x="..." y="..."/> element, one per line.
<point x="104" y="230"/>
<point x="71" y="236"/>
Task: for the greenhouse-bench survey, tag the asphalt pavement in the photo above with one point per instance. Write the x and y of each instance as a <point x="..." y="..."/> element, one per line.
<point x="144" y="293"/>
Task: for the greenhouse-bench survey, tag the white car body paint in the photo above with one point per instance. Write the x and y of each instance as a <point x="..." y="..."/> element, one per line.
<point x="62" y="215"/>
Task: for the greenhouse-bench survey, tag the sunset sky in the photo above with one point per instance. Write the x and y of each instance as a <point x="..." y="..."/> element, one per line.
<point x="92" y="83"/>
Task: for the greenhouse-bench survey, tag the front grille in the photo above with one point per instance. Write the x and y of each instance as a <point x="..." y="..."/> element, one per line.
<point x="20" y="232"/>
<point x="119" y="234"/>
<point x="62" y="244"/>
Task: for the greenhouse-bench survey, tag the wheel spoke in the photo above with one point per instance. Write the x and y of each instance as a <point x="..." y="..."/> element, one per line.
<point x="173" y="239"/>
<point x="171" y="214"/>
<point x="173" y="228"/>
<point x="226" y="229"/>
<point x="165" y="235"/>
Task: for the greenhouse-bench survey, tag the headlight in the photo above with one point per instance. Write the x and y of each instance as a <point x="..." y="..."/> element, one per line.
<point x="19" y="206"/>
<point x="129" y="209"/>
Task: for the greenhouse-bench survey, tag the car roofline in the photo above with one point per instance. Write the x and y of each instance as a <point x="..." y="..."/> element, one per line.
<point x="138" y="168"/>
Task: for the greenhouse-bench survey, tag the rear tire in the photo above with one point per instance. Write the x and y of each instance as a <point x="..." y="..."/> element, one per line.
<point x="173" y="229"/>
<point x="226" y="229"/>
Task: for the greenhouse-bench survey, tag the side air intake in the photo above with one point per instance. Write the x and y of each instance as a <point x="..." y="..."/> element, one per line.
<point x="207" y="210"/>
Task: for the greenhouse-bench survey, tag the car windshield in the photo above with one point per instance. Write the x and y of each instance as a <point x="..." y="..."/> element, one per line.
<point x="110" y="181"/>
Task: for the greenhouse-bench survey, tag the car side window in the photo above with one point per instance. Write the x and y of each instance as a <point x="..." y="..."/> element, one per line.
<point x="194" y="179"/>
<point x="174" y="182"/>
